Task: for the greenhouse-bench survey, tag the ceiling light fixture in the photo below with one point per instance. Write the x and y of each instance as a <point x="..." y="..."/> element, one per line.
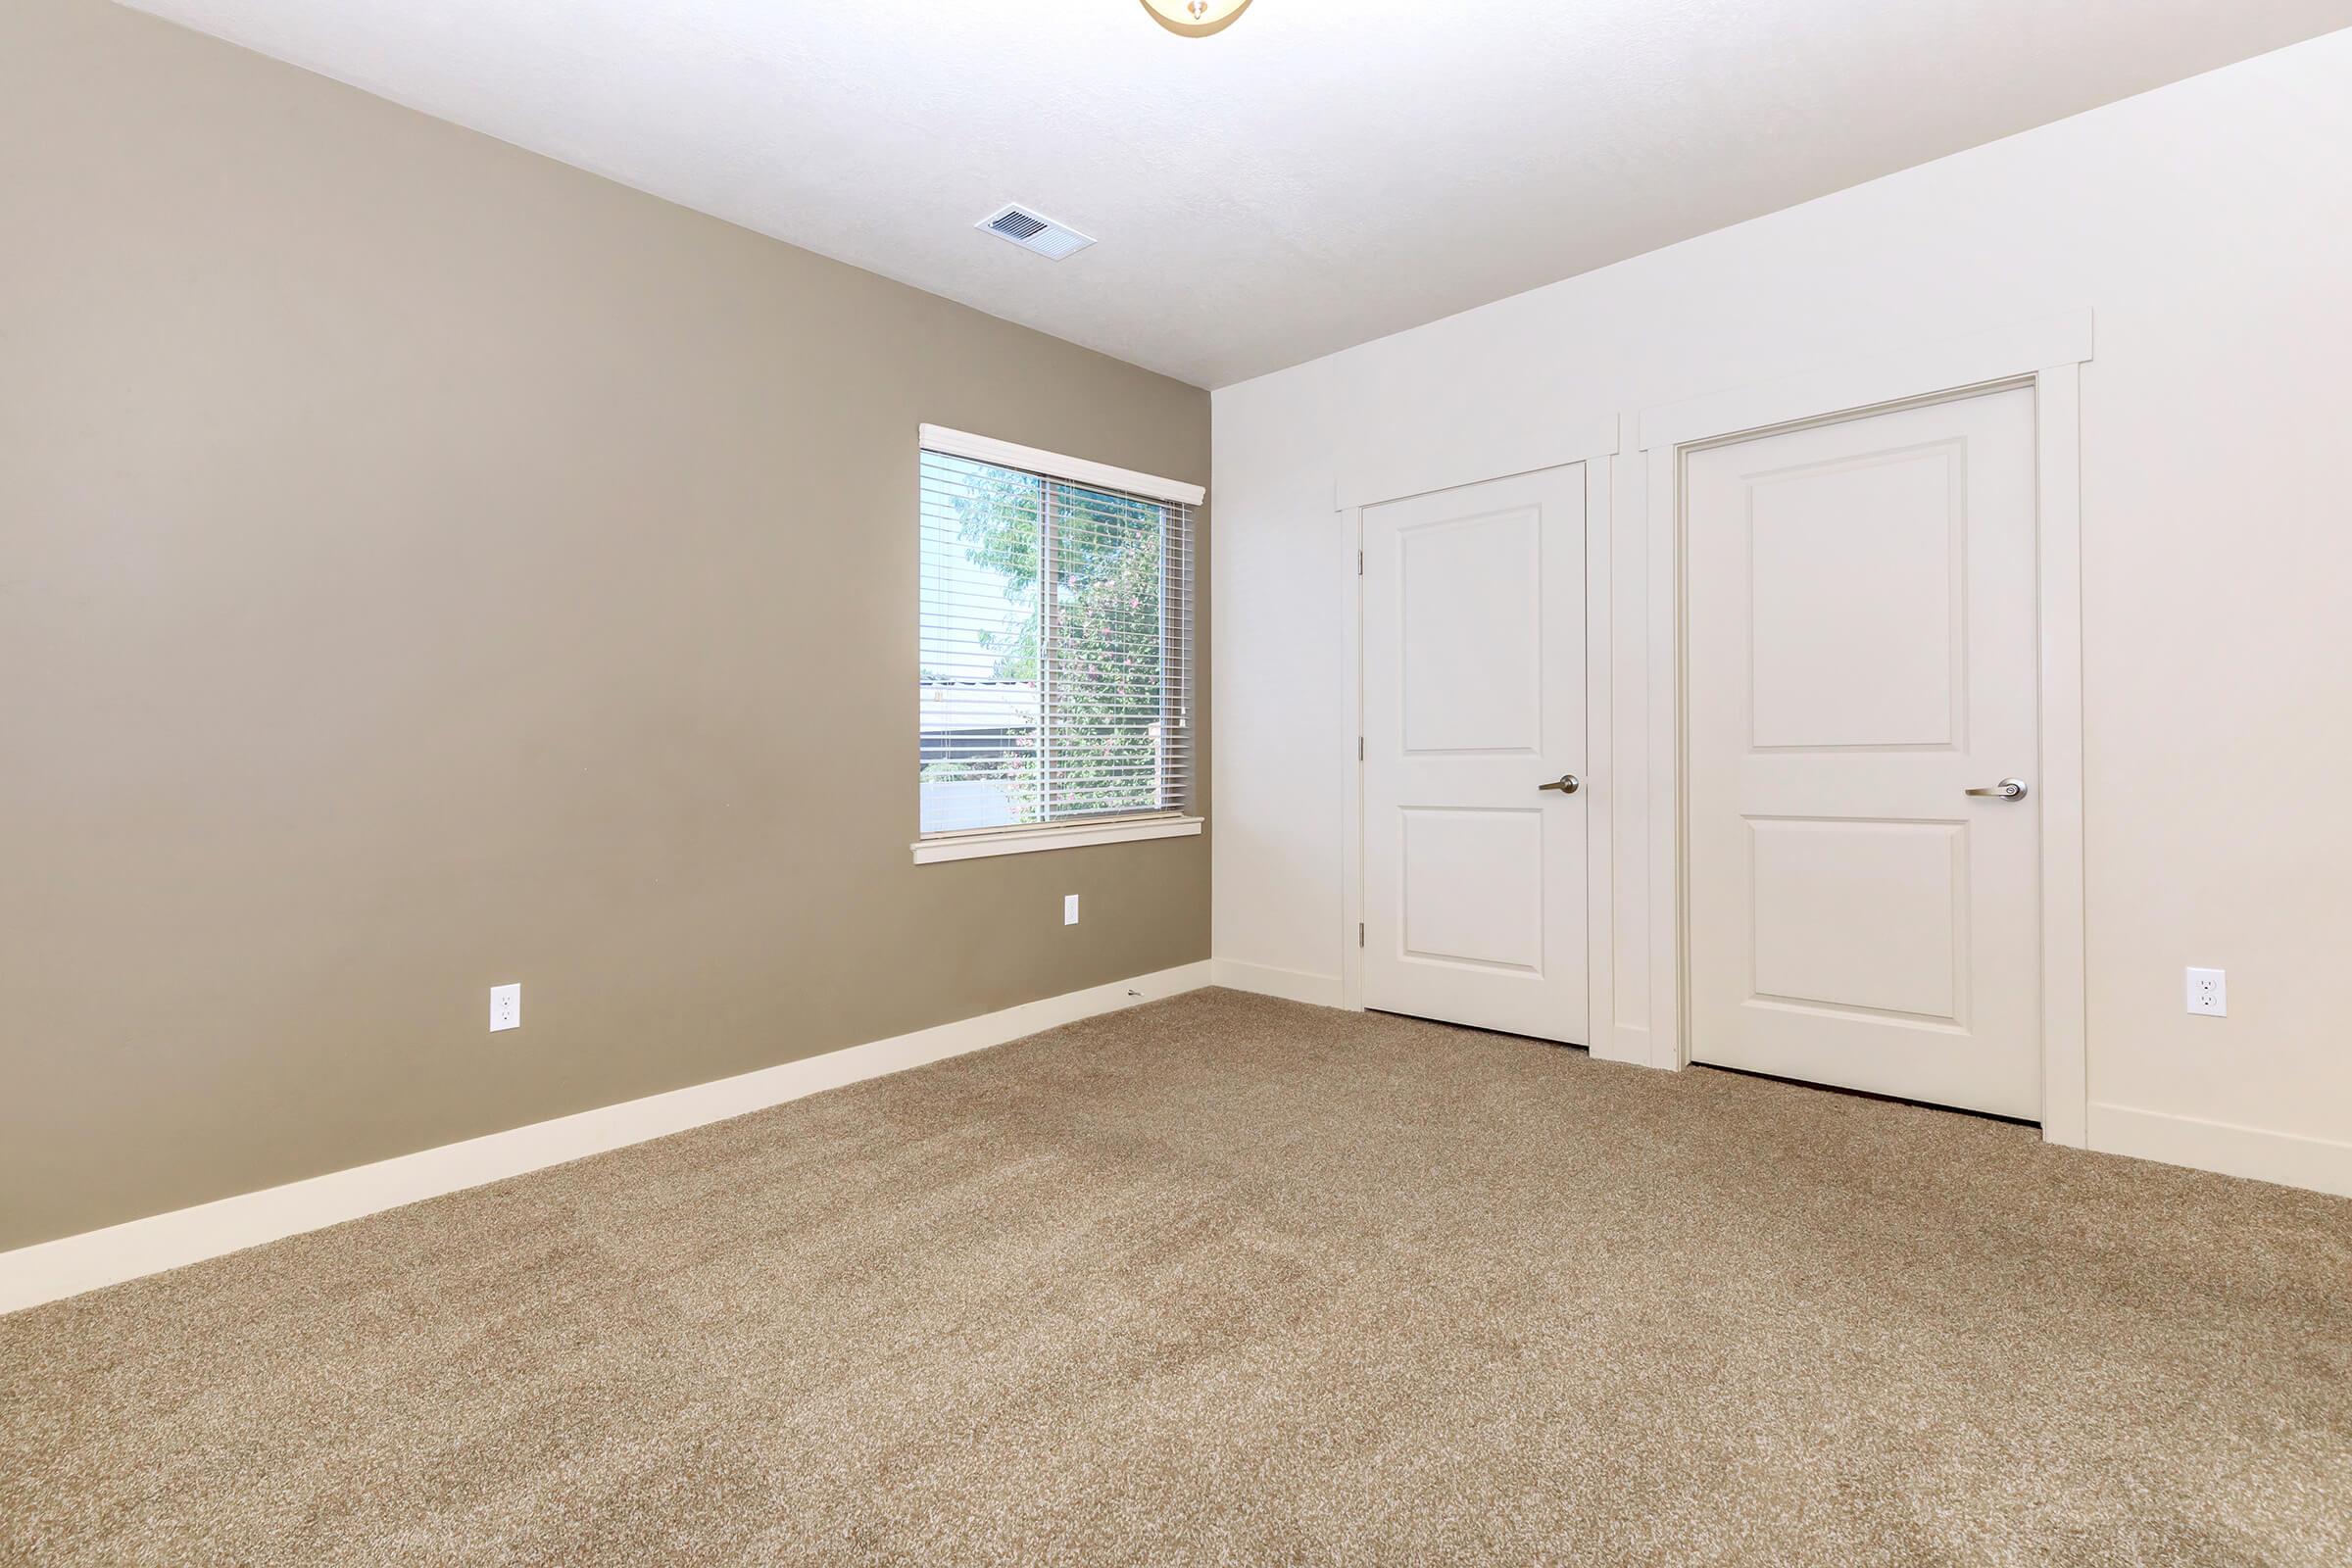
<point x="1196" y="19"/>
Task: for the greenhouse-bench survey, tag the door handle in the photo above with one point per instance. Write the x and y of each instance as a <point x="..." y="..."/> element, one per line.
<point x="1569" y="784"/>
<point x="2008" y="789"/>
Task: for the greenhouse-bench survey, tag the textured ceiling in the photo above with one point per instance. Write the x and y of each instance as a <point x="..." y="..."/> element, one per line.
<point x="1322" y="172"/>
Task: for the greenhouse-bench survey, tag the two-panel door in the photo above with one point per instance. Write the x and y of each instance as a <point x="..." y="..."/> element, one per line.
<point x="1863" y="839"/>
<point x="1474" y="738"/>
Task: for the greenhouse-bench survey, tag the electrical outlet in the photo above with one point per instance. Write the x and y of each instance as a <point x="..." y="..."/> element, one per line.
<point x="2209" y="993"/>
<point x="505" y="1006"/>
<point x="1069" y="908"/>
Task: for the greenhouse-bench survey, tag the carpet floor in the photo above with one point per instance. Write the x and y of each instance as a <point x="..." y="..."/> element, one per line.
<point x="1225" y="1278"/>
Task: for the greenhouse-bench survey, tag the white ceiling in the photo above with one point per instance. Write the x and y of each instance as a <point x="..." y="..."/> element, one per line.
<point x="1322" y="172"/>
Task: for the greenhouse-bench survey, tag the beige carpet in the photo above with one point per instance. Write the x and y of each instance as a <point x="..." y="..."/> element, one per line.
<point x="1231" y="1279"/>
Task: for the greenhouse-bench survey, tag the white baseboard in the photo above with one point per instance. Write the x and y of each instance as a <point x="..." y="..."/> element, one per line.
<point x="1626" y="1043"/>
<point x="2287" y="1158"/>
<point x="49" y="1271"/>
<point x="1292" y="985"/>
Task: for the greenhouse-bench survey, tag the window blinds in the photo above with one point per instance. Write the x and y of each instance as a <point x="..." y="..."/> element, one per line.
<point x="1057" y="666"/>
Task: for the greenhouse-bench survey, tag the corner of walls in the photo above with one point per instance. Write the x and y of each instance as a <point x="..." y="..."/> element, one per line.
<point x="1275" y="581"/>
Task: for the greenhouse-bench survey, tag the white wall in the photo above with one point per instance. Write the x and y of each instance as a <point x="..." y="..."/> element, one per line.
<point x="2209" y="226"/>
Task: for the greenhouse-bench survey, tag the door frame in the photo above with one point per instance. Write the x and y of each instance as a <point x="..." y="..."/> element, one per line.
<point x="2046" y="356"/>
<point x="1370" y="483"/>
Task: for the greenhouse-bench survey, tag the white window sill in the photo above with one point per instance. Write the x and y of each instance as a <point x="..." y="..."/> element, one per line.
<point x="1057" y="836"/>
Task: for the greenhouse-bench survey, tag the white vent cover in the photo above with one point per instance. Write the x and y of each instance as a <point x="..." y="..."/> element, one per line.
<point x="1031" y="232"/>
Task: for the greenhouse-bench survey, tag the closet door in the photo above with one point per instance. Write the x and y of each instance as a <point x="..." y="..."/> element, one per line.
<point x="1474" y="735"/>
<point x="1864" y="844"/>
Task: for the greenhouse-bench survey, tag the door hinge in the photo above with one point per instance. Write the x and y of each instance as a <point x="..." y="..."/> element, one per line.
<point x="1359" y="748"/>
<point x="1359" y="563"/>
<point x="1359" y="933"/>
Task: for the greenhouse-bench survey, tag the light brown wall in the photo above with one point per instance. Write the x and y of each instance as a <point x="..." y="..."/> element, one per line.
<point x="424" y="565"/>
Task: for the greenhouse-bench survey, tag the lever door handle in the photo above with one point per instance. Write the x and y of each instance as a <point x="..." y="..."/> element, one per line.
<point x="1566" y="784"/>
<point x="2008" y="789"/>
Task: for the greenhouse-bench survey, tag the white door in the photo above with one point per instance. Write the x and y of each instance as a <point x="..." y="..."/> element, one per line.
<point x="1861" y="670"/>
<point x="1474" y="733"/>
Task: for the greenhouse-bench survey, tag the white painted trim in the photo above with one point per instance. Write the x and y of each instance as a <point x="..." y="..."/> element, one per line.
<point x="1627" y="1037"/>
<point x="1662" y="805"/>
<point x="1292" y="985"/>
<point x="2048" y="354"/>
<point x="1926" y="369"/>
<point x="1081" y="470"/>
<point x="2065" y="960"/>
<point x="1601" y="777"/>
<point x="2287" y="1158"/>
<point x="1390" y="473"/>
<point x="1352" y="761"/>
<point x="1051" y="836"/>
<point x="49" y="1271"/>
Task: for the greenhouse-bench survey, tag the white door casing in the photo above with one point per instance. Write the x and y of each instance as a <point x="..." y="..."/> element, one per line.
<point x="1474" y="693"/>
<point x="1861" y="649"/>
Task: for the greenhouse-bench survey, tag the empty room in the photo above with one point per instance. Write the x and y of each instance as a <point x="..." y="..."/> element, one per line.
<point x="1137" y="782"/>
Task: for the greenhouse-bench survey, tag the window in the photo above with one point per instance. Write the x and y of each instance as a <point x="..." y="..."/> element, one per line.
<point x="1057" y="666"/>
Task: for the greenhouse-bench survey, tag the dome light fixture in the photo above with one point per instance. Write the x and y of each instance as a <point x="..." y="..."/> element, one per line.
<point x="1196" y="19"/>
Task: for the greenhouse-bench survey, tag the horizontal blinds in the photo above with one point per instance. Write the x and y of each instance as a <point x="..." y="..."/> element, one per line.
<point x="1057" y="647"/>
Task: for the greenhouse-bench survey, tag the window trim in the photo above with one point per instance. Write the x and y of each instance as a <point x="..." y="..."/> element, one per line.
<point x="1055" y="466"/>
<point x="971" y="843"/>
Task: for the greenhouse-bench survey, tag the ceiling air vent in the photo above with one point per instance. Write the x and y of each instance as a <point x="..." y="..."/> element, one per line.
<point x="1034" y="234"/>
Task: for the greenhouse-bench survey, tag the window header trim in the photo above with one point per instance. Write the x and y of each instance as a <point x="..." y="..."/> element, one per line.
<point x="1053" y="465"/>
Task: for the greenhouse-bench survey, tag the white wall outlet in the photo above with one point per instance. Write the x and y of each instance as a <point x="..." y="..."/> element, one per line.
<point x="2209" y="992"/>
<point x="505" y="1006"/>
<point x="1069" y="908"/>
